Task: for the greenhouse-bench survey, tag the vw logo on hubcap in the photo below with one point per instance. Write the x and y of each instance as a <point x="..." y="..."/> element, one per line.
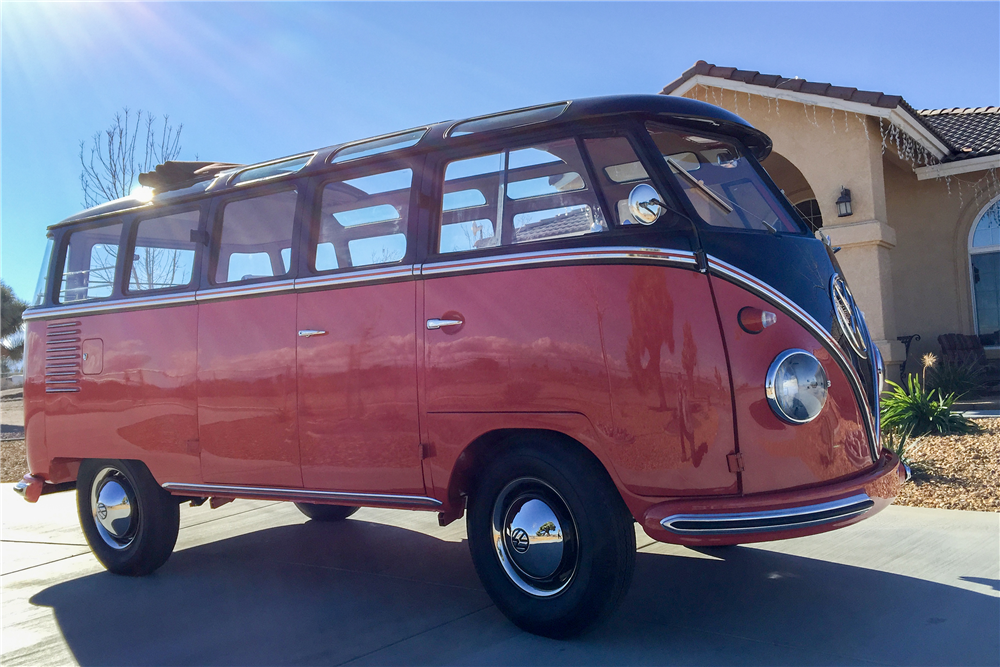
<point x="848" y="315"/>
<point x="102" y="511"/>
<point x="519" y="540"/>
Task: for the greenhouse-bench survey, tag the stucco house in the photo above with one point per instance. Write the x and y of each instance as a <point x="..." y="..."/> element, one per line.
<point x="920" y="238"/>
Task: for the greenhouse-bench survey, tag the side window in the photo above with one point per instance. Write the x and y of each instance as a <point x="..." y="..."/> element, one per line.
<point x="363" y="221"/>
<point x="618" y="171"/>
<point x="89" y="270"/>
<point x="256" y="237"/>
<point x="535" y="193"/>
<point x="163" y="254"/>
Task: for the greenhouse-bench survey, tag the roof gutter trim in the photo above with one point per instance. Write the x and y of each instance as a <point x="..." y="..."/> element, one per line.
<point x="906" y="121"/>
<point x="958" y="167"/>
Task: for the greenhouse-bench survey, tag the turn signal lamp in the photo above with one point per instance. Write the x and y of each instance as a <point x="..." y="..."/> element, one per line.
<point x="755" y="320"/>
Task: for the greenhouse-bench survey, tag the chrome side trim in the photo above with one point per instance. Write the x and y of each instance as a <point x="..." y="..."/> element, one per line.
<point x="357" y="277"/>
<point x="681" y="258"/>
<point x="768" y="293"/>
<point x="248" y="290"/>
<point x="104" y="307"/>
<point x="769" y="520"/>
<point x="301" y="494"/>
<point x="551" y="257"/>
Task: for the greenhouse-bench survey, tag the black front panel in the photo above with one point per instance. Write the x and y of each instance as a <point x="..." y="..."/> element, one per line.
<point x="801" y="268"/>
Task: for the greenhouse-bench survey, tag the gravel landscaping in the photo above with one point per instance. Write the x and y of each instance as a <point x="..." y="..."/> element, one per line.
<point x="957" y="472"/>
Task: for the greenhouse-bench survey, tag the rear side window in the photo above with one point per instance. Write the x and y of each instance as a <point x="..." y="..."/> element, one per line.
<point x="534" y="193"/>
<point x="89" y="269"/>
<point x="363" y="221"/>
<point x="255" y="238"/>
<point x="163" y="254"/>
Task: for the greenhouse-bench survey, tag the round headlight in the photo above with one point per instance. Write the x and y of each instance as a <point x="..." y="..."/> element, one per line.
<point x="796" y="386"/>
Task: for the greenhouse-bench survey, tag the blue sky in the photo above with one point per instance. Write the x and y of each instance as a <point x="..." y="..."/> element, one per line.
<point x="260" y="80"/>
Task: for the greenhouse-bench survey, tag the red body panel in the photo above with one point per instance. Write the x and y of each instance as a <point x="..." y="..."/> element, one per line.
<point x="247" y="412"/>
<point x="636" y="349"/>
<point x="358" y="426"/>
<point x="139" y="402"/>
<point x="778" y="455"/>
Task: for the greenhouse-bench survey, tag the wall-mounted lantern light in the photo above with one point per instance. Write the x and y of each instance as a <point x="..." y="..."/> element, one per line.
<point x="844" y="203"/>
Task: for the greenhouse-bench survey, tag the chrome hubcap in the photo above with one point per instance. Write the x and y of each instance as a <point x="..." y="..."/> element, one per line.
<point x="112" y="500"/>
<point x="535" y="537"/>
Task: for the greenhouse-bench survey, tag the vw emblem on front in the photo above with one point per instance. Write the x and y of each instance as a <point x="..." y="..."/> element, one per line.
<point x="848" y="316"/>
<point x="102" y="511"/>
<point x="519" y="540"/>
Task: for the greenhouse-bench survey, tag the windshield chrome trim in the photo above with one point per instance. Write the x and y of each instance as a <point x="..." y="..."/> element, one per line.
<point x="760" y="288"/>
<point x="392" y="500"/>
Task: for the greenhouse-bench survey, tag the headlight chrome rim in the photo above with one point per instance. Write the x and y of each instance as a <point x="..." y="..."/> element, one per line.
<point x="770" y="386"/>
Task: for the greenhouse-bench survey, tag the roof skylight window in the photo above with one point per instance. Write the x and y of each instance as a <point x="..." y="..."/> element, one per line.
<point x="508" y="120"/>
<point x="377" y="146"/>
<point x="272" y="169"/>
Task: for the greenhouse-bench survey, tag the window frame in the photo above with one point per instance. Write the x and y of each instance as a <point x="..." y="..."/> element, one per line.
<point x="214" y="228"/>
<point x="349" y="170"/>
<point x="55" y="286"/>
<point x="982" y="250"/>
<point x="199" y="250"/>
<point x="509" y="142"/>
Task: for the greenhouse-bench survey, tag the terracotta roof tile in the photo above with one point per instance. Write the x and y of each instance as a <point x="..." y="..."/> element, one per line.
<point x="974" y="132"/>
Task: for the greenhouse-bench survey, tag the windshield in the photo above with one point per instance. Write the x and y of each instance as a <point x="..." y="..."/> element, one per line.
<point x="42" y="286"/>
<point x="721" y="182"/>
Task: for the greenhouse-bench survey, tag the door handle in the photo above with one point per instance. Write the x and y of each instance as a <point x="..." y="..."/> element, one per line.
<point x="437" y="324"/>
<point x="309" y="333"/>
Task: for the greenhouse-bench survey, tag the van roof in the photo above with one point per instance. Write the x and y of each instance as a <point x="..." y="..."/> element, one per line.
<point x="680" y="110"/>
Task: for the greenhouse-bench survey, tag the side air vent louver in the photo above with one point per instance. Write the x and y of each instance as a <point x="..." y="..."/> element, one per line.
<point x="62" y="357"/>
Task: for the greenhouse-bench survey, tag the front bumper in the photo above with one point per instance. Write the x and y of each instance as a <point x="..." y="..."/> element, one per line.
<point x="779" y="515"/>
<point x="31" y="488"/>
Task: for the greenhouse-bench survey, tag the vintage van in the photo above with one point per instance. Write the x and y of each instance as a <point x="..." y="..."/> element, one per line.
<point x="557" y="321"/>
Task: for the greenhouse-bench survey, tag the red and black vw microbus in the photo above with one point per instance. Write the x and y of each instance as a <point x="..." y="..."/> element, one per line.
<point x="557" y="321"/>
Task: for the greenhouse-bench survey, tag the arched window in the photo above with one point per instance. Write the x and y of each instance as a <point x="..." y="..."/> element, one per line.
<point x="984" y="260"/>
<point x="809" y="210"/>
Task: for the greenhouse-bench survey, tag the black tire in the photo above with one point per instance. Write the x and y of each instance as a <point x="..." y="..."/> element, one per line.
<point x="142" y="541"/>
<point x="318" y="512"/>
<point x="594" y="533"/>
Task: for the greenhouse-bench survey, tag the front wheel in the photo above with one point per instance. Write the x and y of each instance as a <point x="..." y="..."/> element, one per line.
<point x="129" y="521"/>
<point x="551" y="539"/>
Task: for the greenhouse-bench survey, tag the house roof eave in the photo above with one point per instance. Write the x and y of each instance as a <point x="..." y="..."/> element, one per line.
<point x="898" y="115"/>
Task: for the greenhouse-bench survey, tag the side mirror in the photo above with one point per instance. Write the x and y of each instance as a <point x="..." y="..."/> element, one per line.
<point x="644" y="204"/>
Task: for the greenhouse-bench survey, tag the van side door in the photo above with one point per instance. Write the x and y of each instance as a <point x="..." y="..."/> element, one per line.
<point x="357" y="380"/>
<point x="247" y="412"/>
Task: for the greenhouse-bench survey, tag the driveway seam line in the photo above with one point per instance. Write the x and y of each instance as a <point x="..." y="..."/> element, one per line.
<point x="417" y="634"/>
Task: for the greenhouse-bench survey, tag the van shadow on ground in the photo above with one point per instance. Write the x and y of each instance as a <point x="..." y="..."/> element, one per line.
<point x="325" y="594"/>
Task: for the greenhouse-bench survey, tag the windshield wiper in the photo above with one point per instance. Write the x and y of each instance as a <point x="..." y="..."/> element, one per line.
<point x="712" y="197"/>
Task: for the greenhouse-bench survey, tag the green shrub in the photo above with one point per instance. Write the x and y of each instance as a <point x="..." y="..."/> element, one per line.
<point x="958" y="379"/>
<point x="918" y="412"/>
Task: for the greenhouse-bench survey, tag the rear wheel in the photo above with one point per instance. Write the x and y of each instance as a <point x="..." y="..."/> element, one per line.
<point x="551" y="539"/>
<point x="318" y="512"/>
<point x="129" y="521"/>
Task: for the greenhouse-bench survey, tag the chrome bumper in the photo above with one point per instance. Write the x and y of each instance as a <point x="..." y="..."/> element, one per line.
<point x="770" y="520"/>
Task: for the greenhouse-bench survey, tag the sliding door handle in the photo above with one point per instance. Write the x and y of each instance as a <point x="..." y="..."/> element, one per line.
<point x="437" y="324"/>
<point x="309" y="333"/>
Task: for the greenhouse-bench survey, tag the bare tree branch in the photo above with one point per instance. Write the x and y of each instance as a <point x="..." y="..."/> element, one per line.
<point x="113" y="165"/>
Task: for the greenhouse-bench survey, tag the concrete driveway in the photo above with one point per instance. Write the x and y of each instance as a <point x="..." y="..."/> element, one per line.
<point x="255" y="583"/>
